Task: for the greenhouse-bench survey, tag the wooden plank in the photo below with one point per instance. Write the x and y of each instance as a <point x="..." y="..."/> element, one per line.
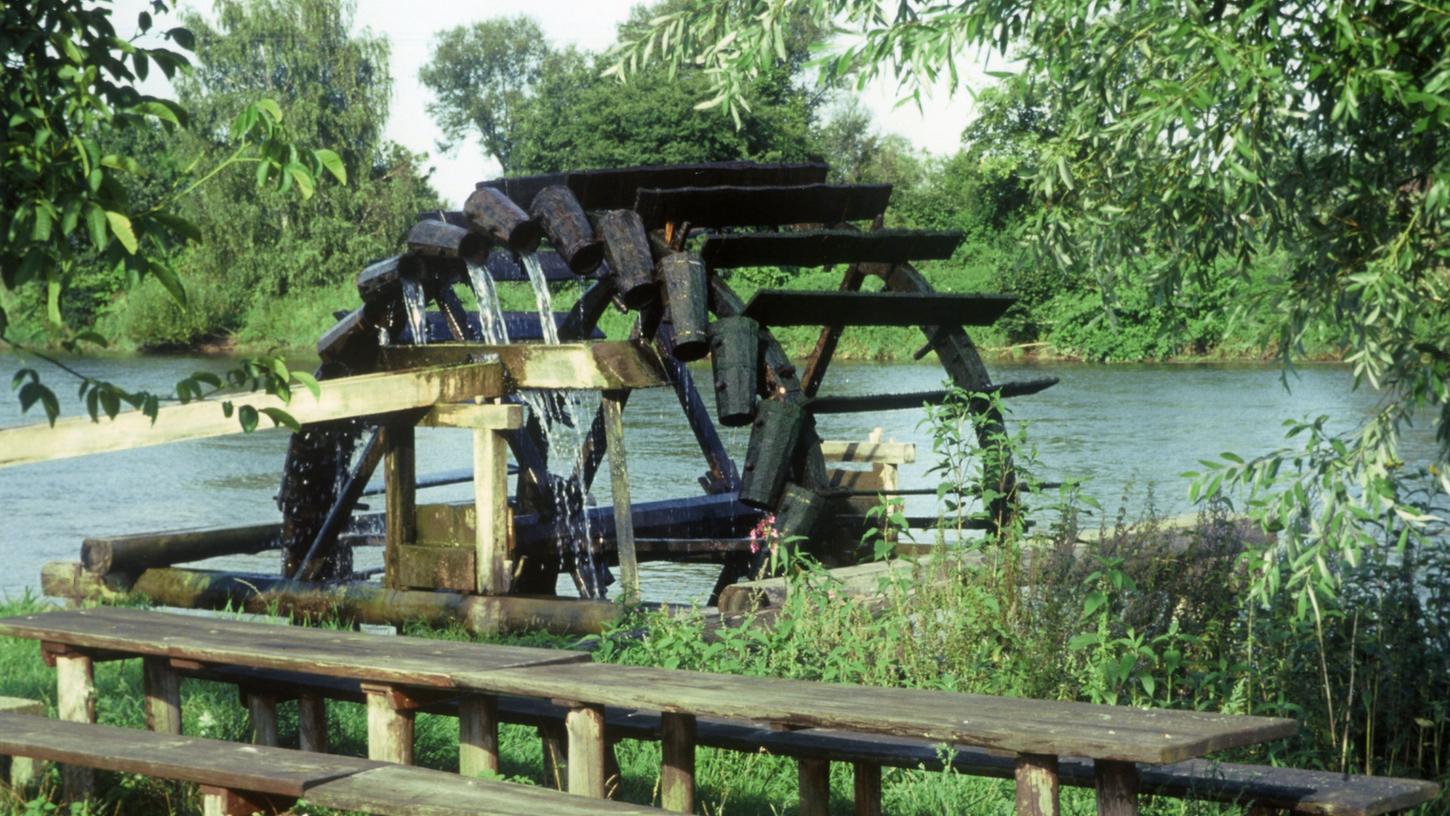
<point x="734" y="206"/>
<point x="893" y="453"/>
<point x="677" y="766"/>
<point x="1020" y="726"/>
<point x="312" y="722"/>
<point x="187" y="759"/>
<point x="789" y="307"/>
<point x="403" y="660"/>
<point x="827" y="247"/>
<point x="587" y="747"/>
<point x="603" y="366"/>
<point x="866" y="788"/>
<point x="1037" y="787"/>
<point x="619" y="486"/>
<point x="162" y="688"/>
<point x="1117" y="788"/>
<point x="226" y="802"/>
<point x="830" y="336"/>
<point x="338" y="399"/>
<point x="814" y="786"/>
<point x="133" y="553"/>
<point x="406" y="791"/>
<point x="22" y="773"/>
<point x="478" y="735"/>
<point x="615" y="188"/>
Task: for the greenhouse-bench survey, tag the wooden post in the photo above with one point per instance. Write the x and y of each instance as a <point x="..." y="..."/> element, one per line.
<point x="619" y="484"/>
<point x="866" y="780"/>
<point x="390" y="726"/>
<point x="556" y="754"/>
<point x="585" y="726"/>
<point x="76" y="701"/>
<point x="1037" y="786"/>
<point x="262" y="708"/>
<point x="815" y="786"/>
<point x="223" y="802"/>
<point x="490" y="501"/>
<point x="677" y="770"/>
<point x="162" y="687"/>
<point x="1117" y="784"/>
<point x="312" y="723"/>
<point x="478" y="735"/>
<point x="399" y="473"/>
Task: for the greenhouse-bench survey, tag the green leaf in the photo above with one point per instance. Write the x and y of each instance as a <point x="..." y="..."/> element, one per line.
<point x="121" y="228"/>
<point x="332" y="163"/>
<point x="306" y="184"/>
<point x="96" y="223"/>
<point x="270" y="108"/>
<point x="309" y="382"/>
<point x="247" y="416"/>
<point x="183" y="37"/>
<point x="168" y="278"/>
<point x="280" y="417"/>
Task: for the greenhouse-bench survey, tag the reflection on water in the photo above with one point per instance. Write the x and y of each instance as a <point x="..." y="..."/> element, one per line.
<point x="1121" y="425"/>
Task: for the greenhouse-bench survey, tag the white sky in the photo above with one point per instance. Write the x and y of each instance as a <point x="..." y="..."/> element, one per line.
<point x="588" y="24"/>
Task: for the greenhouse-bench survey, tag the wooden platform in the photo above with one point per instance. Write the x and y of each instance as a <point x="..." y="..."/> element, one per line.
<point x="783" y="307"/>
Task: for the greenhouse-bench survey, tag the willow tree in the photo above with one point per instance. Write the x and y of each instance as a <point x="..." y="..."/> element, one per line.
<point x="1193" y="138"/>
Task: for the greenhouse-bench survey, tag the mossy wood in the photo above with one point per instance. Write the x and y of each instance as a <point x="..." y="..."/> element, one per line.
<point x="365" y="395"/>
<point x="735" y="363"/>
<point x="773" y="440"/>
<point x="687" y="293"/>
<point x="609" y="365"/>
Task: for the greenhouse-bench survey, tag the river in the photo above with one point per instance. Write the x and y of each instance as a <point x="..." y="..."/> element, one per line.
<point x="1129" y="430"/>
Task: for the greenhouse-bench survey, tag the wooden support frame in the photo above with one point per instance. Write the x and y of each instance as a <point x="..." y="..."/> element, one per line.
<point x="75" y="693"/>
<point x="312" y="722"/>
<point x="1038" y="792"/>
<point x="23" y="774"/>
<point x="677" y="765"/>
<point x="814" y="785"/>
<point x="587" y="747"/>
<point x="162" y="687"/>
<point x="400" y="477"/>
<point x="866" y="784"/>
<point x="262" y="708"/>
<point x="1117" y="788"/>
<point x="341" y="398"/>
<point x="390" y="723"/>
<point x="555" y="747"/>
<point x="619" y="484"/>
<point x="478" y="735"/>
<point x="227" y="802"/>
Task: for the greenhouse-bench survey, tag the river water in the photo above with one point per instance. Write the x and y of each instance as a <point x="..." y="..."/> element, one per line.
<point x="1128" y="429"/>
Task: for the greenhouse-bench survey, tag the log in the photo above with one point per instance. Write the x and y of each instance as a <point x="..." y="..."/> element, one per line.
<point x="815" y="786"/>
<point x="444" y="240"/>
<point x="478" y="735"/>
<point x="768" y="457"/>
<point x="677" y="767"/>
<point x="735" y="361"/>
<point x="134" y="553"/>
<point x="587" y="747"/>
<point x="390" y="727"/>
<point x="687" y="292"/>
<point x="501" y="221"/>
<point x="563" y="220"/>
<point x="626" y="248"/>
<point x="382" y="282"/>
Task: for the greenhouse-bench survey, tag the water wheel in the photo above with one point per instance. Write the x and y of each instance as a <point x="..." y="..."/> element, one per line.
<point x="658" y="241"/>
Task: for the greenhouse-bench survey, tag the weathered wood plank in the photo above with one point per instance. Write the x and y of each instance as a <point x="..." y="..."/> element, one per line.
<point x="405" y="791"/>
<point x="1021" y="726"/>
<point x="892" y="453"/>
<point x="677" y="766"/>
<point x="587" y="747"/>
<point x="827" y="247"/>
<point x="1037" y="786"/>
<point x="162" y="688"/>
<point x="22" y="773"/>
<point x="490" y="500"/>
<point x="612" y="188"/>
<point x="338" y="399"/>
<point x="727" y="206"/>
<point x="494" y="416"/>
<point x="604" y="365"/>
<point x="188" y="759"/>
<point x="619" y="486"/>
<point x="399" y="441"/>
<point x="425" y="567"/>
<point x="478" y="735"/>
<point x="133" y="553"/>
<point x="403" y="660"/>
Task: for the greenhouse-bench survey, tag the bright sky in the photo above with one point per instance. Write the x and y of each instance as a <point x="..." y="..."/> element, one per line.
<point x="587" y="24"/>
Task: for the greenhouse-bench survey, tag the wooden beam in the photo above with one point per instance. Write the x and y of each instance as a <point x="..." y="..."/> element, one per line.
<point x="895" y="453"/>
<point x="312" y="722"/>
<point x="866" y="781"/>
<point x="491" y="416"/>
<point x="399" y="474"/>
<point x="595" y="366"/>
<point x="1037" y="786"/>
<point x="619" y="484"/>
<point x="262" y="708"/>
<point x="587" y="746"/>
<point x="338" y="399"/>
<point x="1117" y="786"/>
<point x="390" y="727"/>
<point x="478" y="735"/>
<point x="162" y="688"/>
<point x="677" y="768"/>
<point x="814" y="786"/>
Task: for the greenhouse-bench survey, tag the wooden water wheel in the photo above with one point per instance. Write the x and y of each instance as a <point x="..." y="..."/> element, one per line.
<point x="659" y="241"/>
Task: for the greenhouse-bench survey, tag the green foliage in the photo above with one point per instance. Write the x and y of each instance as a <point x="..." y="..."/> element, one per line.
<point x="1212" y="135"/>
<point x="482" y="75"/>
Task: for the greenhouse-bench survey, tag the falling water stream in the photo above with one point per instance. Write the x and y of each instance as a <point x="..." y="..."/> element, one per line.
<point x="415" y="305"/>
<point x="560" y="413"/>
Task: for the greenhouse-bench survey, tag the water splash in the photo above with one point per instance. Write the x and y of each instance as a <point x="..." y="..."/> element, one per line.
<point x="415" y="305"/>
<point x="490" y="313"/>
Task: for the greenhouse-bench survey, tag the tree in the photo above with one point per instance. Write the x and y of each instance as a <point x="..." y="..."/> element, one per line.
<point x="68" y="88"/>
<point x="1194" y="139"/>
<point x="482" y="75"/>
